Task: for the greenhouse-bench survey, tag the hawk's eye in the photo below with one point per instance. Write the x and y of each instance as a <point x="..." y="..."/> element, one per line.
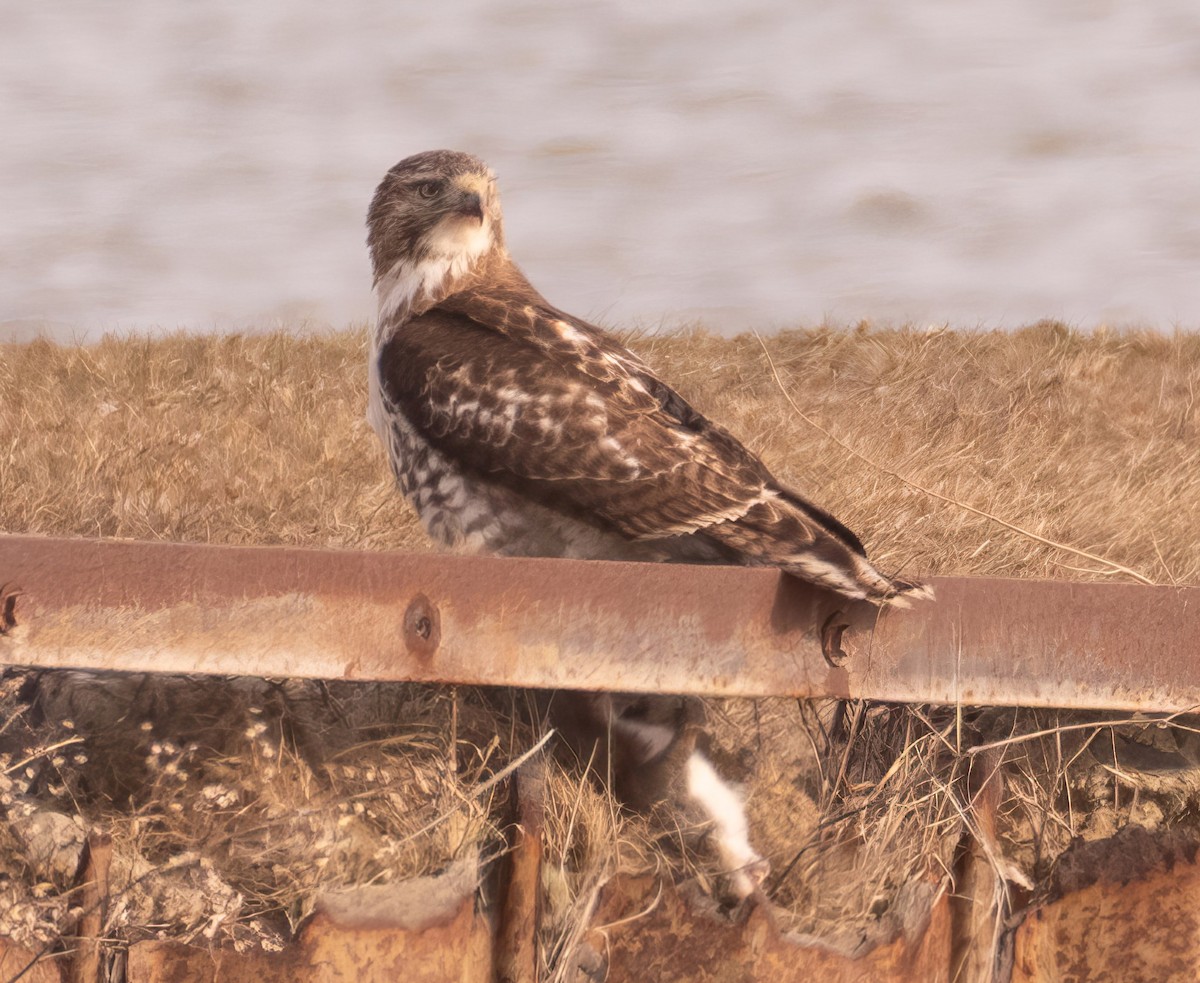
<point x="428" y="189"/>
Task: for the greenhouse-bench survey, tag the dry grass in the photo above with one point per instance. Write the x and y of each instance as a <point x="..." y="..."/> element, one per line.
<point x="205" y="439"/>
<point x="1091" y="440"/>
<point x="253" y="796"/>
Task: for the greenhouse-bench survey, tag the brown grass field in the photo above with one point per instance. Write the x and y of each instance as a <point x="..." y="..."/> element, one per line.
<point x="1088" y="440"/>
<point x="232" y="803"/>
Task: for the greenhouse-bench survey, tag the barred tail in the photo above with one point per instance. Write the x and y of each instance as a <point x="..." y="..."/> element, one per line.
<point x="783" y="530"/>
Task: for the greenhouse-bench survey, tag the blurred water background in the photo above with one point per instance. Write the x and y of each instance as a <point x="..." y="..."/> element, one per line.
<point x="760" y="164"/>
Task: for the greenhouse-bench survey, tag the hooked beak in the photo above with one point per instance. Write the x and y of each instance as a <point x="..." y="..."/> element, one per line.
<point x="470" y="205"/>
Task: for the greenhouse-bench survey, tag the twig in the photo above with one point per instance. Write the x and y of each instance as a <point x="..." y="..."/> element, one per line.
<point x="41" y="752"/>
<point x="1065" y="727"/>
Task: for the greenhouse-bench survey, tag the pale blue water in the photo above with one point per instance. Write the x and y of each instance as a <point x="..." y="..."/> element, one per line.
<point x="759" y="164"/>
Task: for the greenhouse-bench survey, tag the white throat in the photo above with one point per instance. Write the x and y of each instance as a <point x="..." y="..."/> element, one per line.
<point x="454" y="249"/>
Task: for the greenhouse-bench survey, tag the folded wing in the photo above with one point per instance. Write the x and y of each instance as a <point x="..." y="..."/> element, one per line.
<point x="553" y="409"/>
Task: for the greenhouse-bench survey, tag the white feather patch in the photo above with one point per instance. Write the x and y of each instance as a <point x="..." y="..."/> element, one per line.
<point x="453" y="248"/>
<point x="723" y="806"/>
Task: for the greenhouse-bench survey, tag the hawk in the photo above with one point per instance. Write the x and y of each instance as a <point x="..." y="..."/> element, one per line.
<point x="514" y="428"/>
<point x="517" y="429"/>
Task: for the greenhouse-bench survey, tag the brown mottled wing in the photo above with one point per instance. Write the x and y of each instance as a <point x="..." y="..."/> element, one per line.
<point x="577" y="424"/>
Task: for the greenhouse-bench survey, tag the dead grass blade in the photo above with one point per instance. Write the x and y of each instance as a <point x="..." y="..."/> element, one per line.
<point x="1117" y="567"/>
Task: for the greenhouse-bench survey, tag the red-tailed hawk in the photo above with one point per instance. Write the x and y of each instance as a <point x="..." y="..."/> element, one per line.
<point x="517" y="429"/>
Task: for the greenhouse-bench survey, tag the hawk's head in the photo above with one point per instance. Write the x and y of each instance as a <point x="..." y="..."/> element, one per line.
<point x="432" y="218"/>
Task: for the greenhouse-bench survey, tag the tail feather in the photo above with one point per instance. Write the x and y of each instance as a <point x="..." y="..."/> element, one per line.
<point x="785" y="531"/>
<point x="855" y="577"/>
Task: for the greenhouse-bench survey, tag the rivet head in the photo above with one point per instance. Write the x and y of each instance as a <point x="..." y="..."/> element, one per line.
<point x="831" y="640"/>
<point x="8" y="608"/>
<point x="422" y="627"/>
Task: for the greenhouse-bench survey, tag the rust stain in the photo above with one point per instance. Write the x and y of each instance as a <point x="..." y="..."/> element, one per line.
<point x="837" y="682"/>
<point x="648" y="935"/>
<point x="719" y="631"/>
<point x="17" y="962"/>
<point x="1135" y="919"/>
<point x="368" y="940"/>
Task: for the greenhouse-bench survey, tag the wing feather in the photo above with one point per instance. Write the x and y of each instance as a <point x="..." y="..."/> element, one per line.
<point x="568" y="418"/>
<point x="557" y="411"/>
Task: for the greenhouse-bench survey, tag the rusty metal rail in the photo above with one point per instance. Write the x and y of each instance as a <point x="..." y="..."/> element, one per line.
<point x="167" y="607"/>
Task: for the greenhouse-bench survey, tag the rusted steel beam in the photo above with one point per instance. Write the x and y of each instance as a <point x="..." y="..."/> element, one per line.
<point x="589" y="625"/>
<point x="520" y="907"/>
<point x="93" y="896"/>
